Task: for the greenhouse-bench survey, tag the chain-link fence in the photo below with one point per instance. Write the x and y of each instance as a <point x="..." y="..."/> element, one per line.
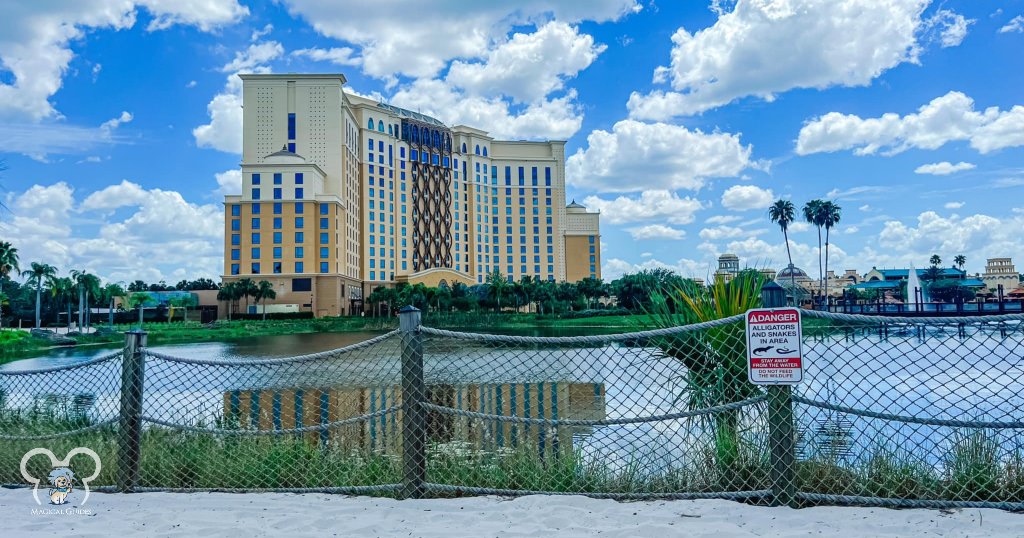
<point x="891" y="412"/>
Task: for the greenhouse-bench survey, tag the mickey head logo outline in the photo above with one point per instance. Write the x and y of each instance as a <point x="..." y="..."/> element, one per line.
<point x="54" y="462"/>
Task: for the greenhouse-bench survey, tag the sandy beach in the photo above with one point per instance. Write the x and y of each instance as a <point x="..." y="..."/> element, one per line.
<point x="278" y="514"/>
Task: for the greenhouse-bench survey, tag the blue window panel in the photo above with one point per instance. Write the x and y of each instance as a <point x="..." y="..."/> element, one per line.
<point x="236" y="239"/>
<point x="235" y="225"/>
<point x="325" y="221"/>
<point x="324" y="237"/>
<point x="255" y="179"/>
<point x="235" y="254"/>
<point x="291" y="126"/>
<point x="299" y="192"/>
<point x="277" y="223"/>
<point x="300" y="252"/>
<point x="590" y="239"/>
<point x="300" y="237"/>
<point x="373" y="265"/>
<point x="277" y="193"/>
<point x="299" y="222"/>
<point x="325" y="209"/>
<point x="299" y="178"/>
<point x="255" y="238"/>
<point x="277" y="238"/>
<point x="235" y="269"/>
<point x="325" y="252"/>
<point x="277" y="208"/>
<point x="300" y="208"/>
<point x="236" y="210"/>
<point x="522" y="176"/>
<point x="255" y="253"/>
<point x="324" y="267"/>
<point x="373" y="275"/>
<point x="547" y="177"/>
<point x="291" y="147"/>
<point x="277" y="178"/>
<point x="255" y="194"/>
<point x="299" y="268"/>
<point x="277" y="253"/>
<point x="255" y="223"/>
<point x="255" y="268"/>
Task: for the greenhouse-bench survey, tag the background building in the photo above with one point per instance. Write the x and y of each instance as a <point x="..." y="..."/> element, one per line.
<point x="1000" y="272"/>
<point x="341" y="194"/>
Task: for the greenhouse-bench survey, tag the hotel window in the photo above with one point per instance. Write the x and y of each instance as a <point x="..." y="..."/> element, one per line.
<point x="277" y="223"/>
<point x="325" y="209"/>
<point x="277" y="208"/>
<point x="300" y="207"/>
<point x="235" y="254"/>
<point x="277" y="253"/>
<point x="300" y="252"/>
<point x="255" y="223"/>
<point x="547" y="177"/>
<point x="255" y="268"/>
<point x="235" y="269"/>
<point x="299" y="192"/>
<point x="300" y="237"/>
<point x="277" y="238"/>
<point x="236" y="210"/>
<point x="324" y="267"/>
<point x="255" y="253"/>
<point x="291" y="126"/>
<point x="277" y="179"/>
<point x="236" y="239"/>
<point x="255" y="238"/>
<point x="277" y="193"/>
<point x="522" y="176"/>
<point x="277" y="268"/>
<point x="324" y="222"/>
<point x="255" y="194"/>
<point x="291" y="147"/>
<point x="325" y="252"/>
<point x="255" y="179"/>
<point x="299" y="268"/>
<point x="590" y="238"/>
<point x="299" y="222"/>
<point x="235" y="225"/>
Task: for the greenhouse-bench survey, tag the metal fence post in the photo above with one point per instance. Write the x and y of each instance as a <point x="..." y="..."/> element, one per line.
<point x="780" y="422"/>
<point x="414" y="393"/>
<point x="129" y="440"/>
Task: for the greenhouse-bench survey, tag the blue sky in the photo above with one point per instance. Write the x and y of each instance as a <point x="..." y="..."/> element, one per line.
<point x="120" y="126"/>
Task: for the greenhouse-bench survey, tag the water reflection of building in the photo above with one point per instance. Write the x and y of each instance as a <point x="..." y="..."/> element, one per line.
<point x="283" y="409"/>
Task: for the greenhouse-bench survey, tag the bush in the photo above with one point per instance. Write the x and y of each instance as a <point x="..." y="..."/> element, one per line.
<point x="592" y="313"/>
<point x="273" y="315"/>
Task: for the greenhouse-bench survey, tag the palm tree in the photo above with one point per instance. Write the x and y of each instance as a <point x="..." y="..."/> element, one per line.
<point x="782" y="213"/>
<point x="959" y="260"/>
<point x="830" y="215"/>
<point x="498" y="285"/>
<point x="42" y="274"/>
<point x="245" y="288"/>
<point x="138" y="300"/>
<point x="264" y="291"/>
<point x="228" y="292"/>
<point x="813" y="215"/>
<point x="88" y="285"/>
<point x="64" y="289"/>
<point x="935" y="260"/>
<point x="109" y="293"/>
<point x="8" y="263"/>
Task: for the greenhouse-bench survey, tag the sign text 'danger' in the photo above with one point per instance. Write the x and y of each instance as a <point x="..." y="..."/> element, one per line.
<point x="774" y="346"/>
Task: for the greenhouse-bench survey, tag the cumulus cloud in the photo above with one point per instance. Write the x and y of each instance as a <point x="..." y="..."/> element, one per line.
<point x="229" y="182"/>
<point x="390" y="45"/>
<point x="336" y="55"/>
<point x="719" y="233"/>
<point x="943" y="168"/>
<point x="36" y="38"/>
<point x="121" y="232"/>
<point x="656" y="231"/>
<point x="650" y="205"/>
<point x="613" y="268"/>
<point x="948" y="118"/>
<point x="950" y="28"/>
<point x="1016" y="24"/>
<point x="953" y="205"/>
<point x="747" y="197"/>
<point x="761" y="48"/>
<point x="637" y="155"/>
<point x="976" y="236"/>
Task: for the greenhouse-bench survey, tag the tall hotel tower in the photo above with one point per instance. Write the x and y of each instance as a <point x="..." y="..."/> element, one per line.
<point x="341" y="194"/>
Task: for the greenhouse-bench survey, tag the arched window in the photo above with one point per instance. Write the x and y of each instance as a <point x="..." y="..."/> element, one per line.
<point x="369" y="124"/>
<point x="463" y="147"/>
<point x="477" y="150"/>
<point x="380" y="125"/>
<point x="391" y="130"/>
<point x="485" y="151"/>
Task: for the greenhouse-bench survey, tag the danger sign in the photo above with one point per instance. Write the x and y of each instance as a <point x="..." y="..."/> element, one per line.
<point x="774" y="352"/>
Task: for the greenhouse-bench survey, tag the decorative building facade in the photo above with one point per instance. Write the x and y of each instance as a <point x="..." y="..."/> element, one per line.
<point x="341" y="194"/>
<point x="1000" y="272"/>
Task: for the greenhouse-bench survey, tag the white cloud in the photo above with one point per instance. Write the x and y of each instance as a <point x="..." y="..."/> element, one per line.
<point x="865" y="207"/>
<point x="229" y="182"/>
<point x="656" y="231"/>
<point x="747" y="197"/>
<point x="943" y="168"/>
<point x="953" y="205"/>
<point x="719" y="233"/>
<point x="114" y="123"/>
<point x="402" y="38"/>
<point x="761" y="48"/>
<point x="948" y="118"/>
<point x="722" y="219"/>
<point x="636" y="155"/>
<point x="36" y="38"/>
<point x="951" y="28"/>
<point x="258" y="34"/>
<point x="1016" y="24"/>
<point x="976" y="236"/>
<point x="613" y="268"/>
<point x="224" y="132"/>
<point x="121" y="232"/>
<point x="650" y="205"/>
<point x="191" y="84"/>
<point x="528" y="67"/>
<point x="39" y="140"/>
<point x="335" y="55"/>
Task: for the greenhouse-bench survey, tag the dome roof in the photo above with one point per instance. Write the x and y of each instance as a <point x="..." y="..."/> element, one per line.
<point x="797" y="273"/>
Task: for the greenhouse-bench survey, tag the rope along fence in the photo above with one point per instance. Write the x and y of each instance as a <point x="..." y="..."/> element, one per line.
<point x="924" y="412"/>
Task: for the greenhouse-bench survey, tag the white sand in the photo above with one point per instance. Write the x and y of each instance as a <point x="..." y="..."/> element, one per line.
<point x="274" y="514"/>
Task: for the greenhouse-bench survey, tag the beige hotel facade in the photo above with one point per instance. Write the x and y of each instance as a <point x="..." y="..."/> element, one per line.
<point x="341" y="194"/>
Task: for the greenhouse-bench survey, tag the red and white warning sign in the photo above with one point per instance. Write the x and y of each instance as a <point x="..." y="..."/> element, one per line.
<point x="774" y="352"/>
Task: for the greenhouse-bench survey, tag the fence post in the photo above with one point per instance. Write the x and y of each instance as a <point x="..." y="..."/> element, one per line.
<point x="414" y="393"/>
<point x="129" y="440"/>
<point x="780" y="421"/>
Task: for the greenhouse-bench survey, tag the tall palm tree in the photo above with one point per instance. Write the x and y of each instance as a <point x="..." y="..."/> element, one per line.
<point x="88" y="286"/>
<point x="960" y="260"/>
<point x="64" y="289"/>
<point x="229" y="292"/>
<point x="813" y="215"/>
<point x="264" y="291"/>
<point x="783" y="214"/>
<point x="935" y="260"/>
<point x="8" y="263"/>
<point x="245" y="288"/>
<point x="110" y="293"/>
<point x="42" y="274"/>
<point x="498" y="286"/>
<point x="830" y="215"/>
